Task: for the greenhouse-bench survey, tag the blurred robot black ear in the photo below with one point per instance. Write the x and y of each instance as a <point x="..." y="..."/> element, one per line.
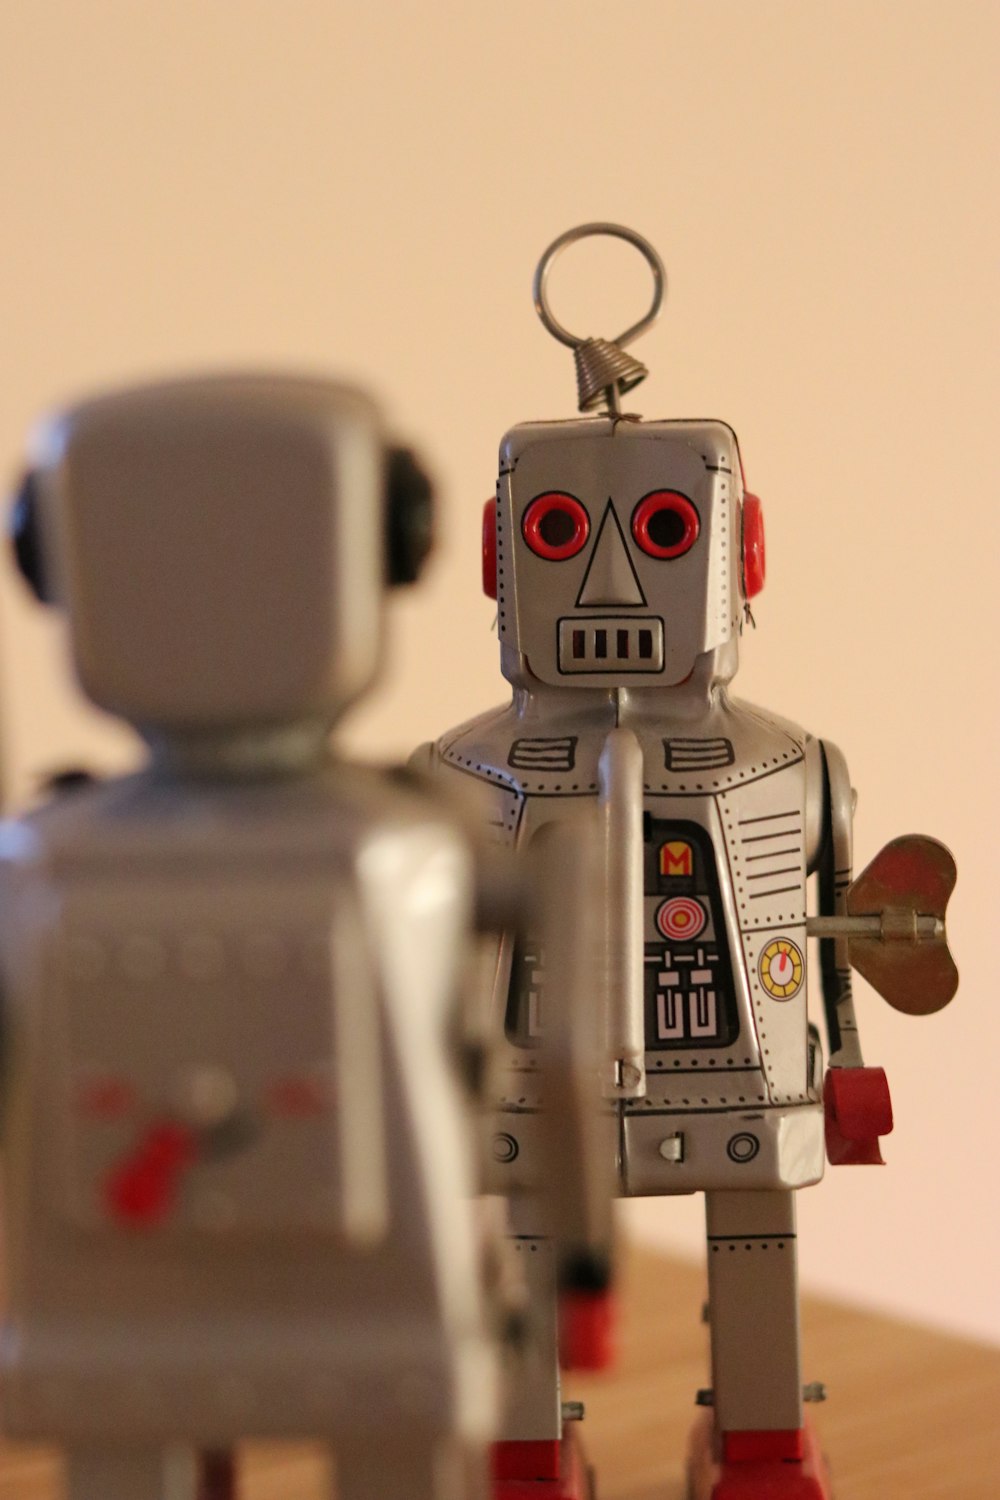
<point x="26" y="537"/>
<point x="68" y="779"/>
<point x="409" y="531"/>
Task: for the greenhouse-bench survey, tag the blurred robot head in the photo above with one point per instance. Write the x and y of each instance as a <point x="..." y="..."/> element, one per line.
<point x="221" y="546"/>
<point x="621" y="551"/>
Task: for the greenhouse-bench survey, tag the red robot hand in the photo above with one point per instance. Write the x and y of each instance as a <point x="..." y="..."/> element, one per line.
<point x="858" y="1110"/>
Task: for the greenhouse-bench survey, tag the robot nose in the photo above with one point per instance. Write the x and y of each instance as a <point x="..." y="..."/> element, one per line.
<point x="610" y="577"/>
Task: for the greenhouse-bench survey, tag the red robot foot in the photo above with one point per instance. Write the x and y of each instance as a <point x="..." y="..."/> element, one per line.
<point x="756" y="1465"/>
<point x="541" y="1471"/>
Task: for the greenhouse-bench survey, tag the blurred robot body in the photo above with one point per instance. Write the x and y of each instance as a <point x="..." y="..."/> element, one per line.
<point x="239" y="1183"/>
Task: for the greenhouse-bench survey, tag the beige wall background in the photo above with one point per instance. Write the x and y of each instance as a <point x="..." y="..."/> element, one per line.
<point x="365" y="189"/>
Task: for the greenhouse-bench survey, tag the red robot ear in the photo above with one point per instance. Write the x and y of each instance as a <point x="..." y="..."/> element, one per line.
<point x="753" y="546"/>
<point x="490" y="549"/>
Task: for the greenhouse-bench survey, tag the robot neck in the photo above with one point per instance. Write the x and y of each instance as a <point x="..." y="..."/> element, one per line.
<point x="242" y="752"/>
<point x="690" y="699"/>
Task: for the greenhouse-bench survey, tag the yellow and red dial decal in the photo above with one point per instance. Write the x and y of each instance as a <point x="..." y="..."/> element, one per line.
<point x="781" y="968"/>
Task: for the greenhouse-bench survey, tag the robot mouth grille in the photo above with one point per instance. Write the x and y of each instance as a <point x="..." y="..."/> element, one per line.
<point x="610" y="644"/>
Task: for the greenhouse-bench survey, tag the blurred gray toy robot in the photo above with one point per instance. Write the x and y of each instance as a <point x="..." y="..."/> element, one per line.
<point x="240" y="1171"/>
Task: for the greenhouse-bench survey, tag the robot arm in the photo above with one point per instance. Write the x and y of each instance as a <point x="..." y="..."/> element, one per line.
<point x="889" y="924"/>
<point x="835" y="871"/>
<point x="856" y="1099"/>
<point x="569" y="900"/>
<point x="497" y="900"/>
<point x="553" y="889"/>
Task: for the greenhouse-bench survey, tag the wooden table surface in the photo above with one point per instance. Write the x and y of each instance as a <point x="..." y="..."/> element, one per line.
<point x="911" y="1415"/>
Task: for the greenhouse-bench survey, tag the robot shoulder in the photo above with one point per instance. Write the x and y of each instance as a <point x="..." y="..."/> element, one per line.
<point x="767" y="721"/>
<point x="480" y="749"/>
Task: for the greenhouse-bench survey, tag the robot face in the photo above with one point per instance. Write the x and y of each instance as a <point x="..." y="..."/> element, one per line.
<point x="618" y="549"/>
<point x="219" y="545"/>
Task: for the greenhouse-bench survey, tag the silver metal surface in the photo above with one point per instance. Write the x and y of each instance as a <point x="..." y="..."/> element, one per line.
<point x="587" y="231"/>
<point x="604" y="371"/>
<point x="139" y="1474"/>
<point x="238" y="1174"/>
<point x="721" y="1149"/>
<point x="894" y="924"/>
<point x="578" y="1184"/>
<point x="610" y="645"/>
<point x="752" y="1278"/>
<point x="689" y="604"/>
<point x="835" y="874"/>
<point x="619" y="772"/>
<point x="533" y="1411"/>
<point x="608" y="625"/>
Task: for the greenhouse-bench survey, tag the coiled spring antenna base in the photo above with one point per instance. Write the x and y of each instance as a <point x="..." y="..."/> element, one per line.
<point x="604" y="371"/>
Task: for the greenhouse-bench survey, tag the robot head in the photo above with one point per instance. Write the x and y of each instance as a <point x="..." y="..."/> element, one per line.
<point x="625" y="550"/>
<point x="221" y="546"/>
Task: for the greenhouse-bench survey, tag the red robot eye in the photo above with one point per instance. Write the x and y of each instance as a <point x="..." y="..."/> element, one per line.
<point x="665" y="524"/>
<point x="555" y="526"/>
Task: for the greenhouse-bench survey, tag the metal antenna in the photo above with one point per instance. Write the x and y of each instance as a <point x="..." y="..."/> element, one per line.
<point x="604" y="371"/>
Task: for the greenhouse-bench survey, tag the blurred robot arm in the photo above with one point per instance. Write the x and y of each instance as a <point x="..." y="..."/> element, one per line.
<point x="889" y="924"/>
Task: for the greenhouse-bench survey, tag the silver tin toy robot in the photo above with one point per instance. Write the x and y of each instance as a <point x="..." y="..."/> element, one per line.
<point x="238" y="1150"/>
<point x="623" y="556"/>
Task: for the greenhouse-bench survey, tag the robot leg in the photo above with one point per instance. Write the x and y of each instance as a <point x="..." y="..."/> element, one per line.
<point x="536" y="1454"/>
<point x="131" y="1474"/>
<point x="532" y="1406"/>
<point x="422" y="1468"/>
<point x="754" y="1441"/>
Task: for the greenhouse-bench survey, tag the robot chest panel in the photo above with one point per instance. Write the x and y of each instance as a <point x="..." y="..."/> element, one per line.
<point x="723" y="915"/>
<point x="193" y="1085"/>
<point x="691" y="993"/>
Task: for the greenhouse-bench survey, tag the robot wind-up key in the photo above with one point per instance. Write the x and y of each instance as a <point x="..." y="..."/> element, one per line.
<point x="623" y="555"/>
<point x="239" y="1175"/>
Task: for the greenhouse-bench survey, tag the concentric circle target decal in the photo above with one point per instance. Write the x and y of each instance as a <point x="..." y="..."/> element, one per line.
<point x="681" y="917"/>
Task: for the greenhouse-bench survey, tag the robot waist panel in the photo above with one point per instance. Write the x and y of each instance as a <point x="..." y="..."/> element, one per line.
<point x="674" y="1152"/>
<point x="217" y="1390"/>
